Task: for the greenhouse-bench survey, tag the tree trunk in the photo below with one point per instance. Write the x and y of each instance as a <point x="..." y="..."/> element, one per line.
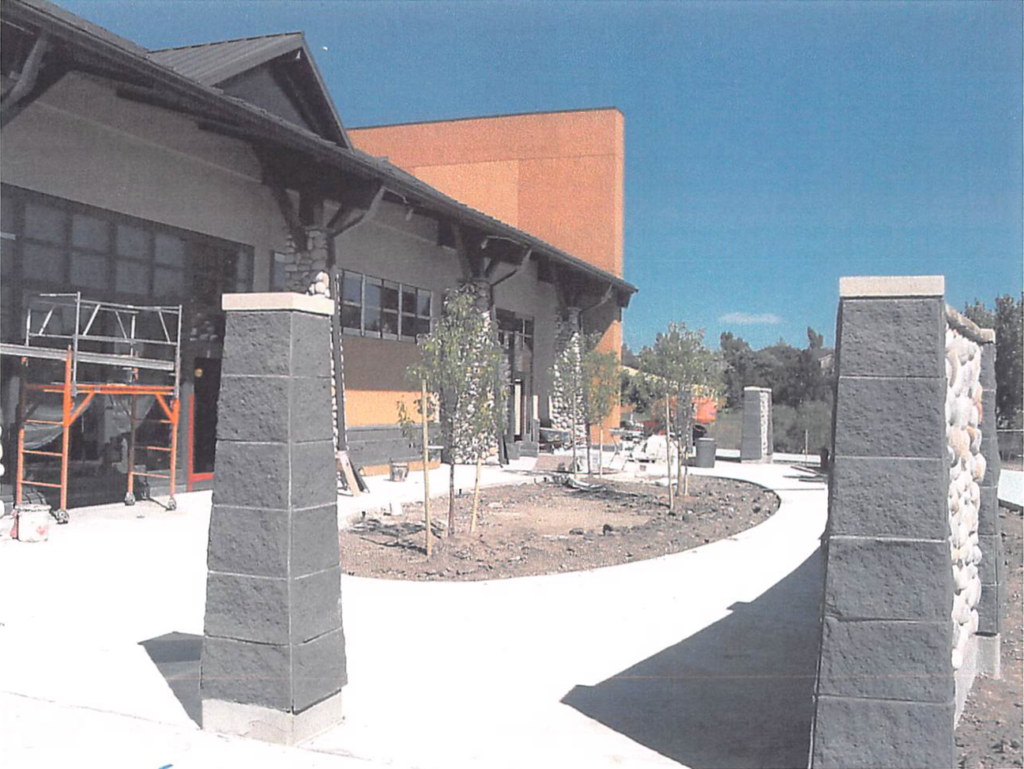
<point x="451" y="496"/>
<point x="426" y="463"/>
<point x="590" y="469"/>
<point x="574" y="437"/>
<point x="668" y="455"/>
<point x="476" y="494"/>
<point x="600" y="451"/>
<point x="684" y="455"/>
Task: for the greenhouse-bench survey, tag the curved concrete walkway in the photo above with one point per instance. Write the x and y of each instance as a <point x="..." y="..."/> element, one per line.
<point x="703" y="658"/>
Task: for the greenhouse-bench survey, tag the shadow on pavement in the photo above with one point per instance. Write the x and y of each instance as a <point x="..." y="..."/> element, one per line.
<point x="738" y="694"/>
<point x="176" y="656"/>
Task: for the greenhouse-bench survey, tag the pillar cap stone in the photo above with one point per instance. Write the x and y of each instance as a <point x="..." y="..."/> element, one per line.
<point x="891" y="285"/>
<point x="279" y="300"/>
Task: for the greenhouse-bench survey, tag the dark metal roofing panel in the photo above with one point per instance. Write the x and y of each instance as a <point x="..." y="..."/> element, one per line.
<point x="120" y="50"/>
<point x="95" y="30"/>
<point x="213" y="63"/>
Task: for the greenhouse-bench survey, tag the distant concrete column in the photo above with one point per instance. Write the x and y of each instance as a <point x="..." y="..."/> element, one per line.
<point x="273" y="660"/>
<point x="885" y="690"/>
<point x="756" y="444"/>
<point x="990" y="540"/>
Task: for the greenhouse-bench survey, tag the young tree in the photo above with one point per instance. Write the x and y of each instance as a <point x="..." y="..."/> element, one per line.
<point x="601" y="388"/>
<point x="460" y="363"/>
<point x="680" y="362"/>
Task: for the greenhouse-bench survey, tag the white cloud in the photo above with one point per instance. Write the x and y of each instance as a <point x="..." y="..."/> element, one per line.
<point x="749" y="319"/>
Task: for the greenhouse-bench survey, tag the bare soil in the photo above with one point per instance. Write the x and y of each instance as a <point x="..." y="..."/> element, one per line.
<point x="989" y="735"/>
<point x="547" y="528"/>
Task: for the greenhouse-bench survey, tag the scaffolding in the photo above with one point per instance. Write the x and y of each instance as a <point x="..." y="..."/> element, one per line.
<point x="120" y="339"/>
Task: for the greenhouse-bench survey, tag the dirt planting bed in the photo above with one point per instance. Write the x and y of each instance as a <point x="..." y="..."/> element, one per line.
<point x="547" y="528"/>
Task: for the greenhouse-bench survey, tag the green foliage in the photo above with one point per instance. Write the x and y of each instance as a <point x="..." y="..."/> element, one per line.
<point x="461" y="360"/>
<point x="639" y="391"/>
<point x="601" y="383"/>
<point x="678" y="360"/>
<point x="1006" y="320"/>
<point x="795" y="376"/>
<point x="678" y="364"/>
<point x="789" y="424"/>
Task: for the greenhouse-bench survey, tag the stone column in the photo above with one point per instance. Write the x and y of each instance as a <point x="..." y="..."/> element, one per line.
<point x="568" y="334"/>
<point x="756" y="443"/>
<point x="273" y="660"/>
<point x="309" y="260"/>
<point x="885" y="693"/>
<point x="990" y="541"/>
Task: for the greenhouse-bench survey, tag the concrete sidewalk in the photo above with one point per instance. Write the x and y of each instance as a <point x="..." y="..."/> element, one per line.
<point x="655" y="663"/>
<point x="1011" y="488"/>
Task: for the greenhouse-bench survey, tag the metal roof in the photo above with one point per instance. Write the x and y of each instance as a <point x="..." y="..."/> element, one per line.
<point x="213" y="63"/>
<point x="75" y="29"/>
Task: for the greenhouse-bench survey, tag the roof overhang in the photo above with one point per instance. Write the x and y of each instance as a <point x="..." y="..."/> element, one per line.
<point x="173" y="90"/>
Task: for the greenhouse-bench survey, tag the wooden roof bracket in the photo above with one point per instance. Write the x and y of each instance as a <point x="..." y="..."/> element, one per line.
<point x="284" y="202"/>
<point x="523" y="260"/>
<point x="352" y="214"/>
<point x="34" y="80"/>
<point x="465" y="263"/>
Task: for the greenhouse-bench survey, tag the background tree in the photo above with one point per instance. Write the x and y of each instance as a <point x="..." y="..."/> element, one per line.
<point x="460" y="362"/>
<point x="1007" y="323"/>
<point x="601" y="388"/>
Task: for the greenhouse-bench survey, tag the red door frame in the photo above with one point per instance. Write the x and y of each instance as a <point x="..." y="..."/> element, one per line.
<point x="192" y="475"/>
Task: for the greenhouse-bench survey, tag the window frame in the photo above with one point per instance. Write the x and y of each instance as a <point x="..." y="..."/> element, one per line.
<point x="402" y="317"/>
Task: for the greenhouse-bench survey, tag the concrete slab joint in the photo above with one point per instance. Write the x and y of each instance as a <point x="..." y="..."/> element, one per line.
<point x="910" y="517"/>
<point x="273" y="658"/>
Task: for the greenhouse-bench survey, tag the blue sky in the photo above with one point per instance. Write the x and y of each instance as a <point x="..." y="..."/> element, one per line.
<point x="771" y="147"/>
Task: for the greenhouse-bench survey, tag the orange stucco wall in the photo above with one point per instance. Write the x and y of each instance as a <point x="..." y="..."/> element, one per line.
<point x="556" y="175"/>
<point x="375" y="381"/>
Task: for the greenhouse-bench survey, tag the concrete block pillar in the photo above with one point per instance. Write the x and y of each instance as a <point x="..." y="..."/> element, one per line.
<point x="756" y="443"/>
<point x="885" y="690"/>
<point x="273" y="659"/>
<point x="990" y="540"/>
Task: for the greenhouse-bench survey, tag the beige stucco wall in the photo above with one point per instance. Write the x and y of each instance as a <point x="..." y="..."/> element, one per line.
<point x="399" y="249"/>
<point x="394" y="248"/>
<point x="83" y="143"/>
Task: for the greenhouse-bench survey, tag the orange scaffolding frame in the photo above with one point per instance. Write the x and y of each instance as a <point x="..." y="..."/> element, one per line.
<point x="36" y="346"/>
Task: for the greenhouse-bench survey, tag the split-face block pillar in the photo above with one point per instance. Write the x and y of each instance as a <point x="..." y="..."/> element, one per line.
<point x="885" y="691"/>
<point x="273" y="660"/>
<point x="756" y="443"/>
<point x="990" y="540"/>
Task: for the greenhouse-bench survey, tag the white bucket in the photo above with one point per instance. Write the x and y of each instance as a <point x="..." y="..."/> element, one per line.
<point x="33" y="522"/>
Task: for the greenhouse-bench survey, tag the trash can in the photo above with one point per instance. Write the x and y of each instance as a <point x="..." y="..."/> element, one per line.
<point x="399" y="471"/>
<point x="705" y="452"/>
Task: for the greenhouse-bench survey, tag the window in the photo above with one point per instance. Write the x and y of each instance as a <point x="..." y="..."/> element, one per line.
<point x="50" y="244"/>
<point x="278" y="273"/>
<point x="383" y="308"/>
